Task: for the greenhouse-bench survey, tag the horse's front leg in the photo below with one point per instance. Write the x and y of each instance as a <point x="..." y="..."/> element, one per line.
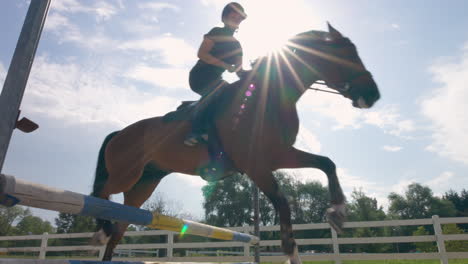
<point x="295" y="158"/>
<point x="267" y="183"/>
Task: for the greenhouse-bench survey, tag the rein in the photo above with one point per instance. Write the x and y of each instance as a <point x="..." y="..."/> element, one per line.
<point x="321" y="90"/>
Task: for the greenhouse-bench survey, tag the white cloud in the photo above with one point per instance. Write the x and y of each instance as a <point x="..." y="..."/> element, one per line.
<point x="169" y="78"/>
<point x="307" y="141"/>
<point x="157" y="7"/>
<point x="389" y="120"/>
<point x="395" y="26"/>
<point x="56" y="22"/>
<point x="76" y="94"/>
<point x="217" y="3"/>
<point x="392" y="148"/>
<point x="174" y="51"/>
<point x="195" y="181"/>
<point x="447" y="106"/>
<point x="345" y="115"/>
<point x="66" y="31"/>
<point x="332" y="106"/>
<point x="441" y="183"/>
<point x="101" y="9"/>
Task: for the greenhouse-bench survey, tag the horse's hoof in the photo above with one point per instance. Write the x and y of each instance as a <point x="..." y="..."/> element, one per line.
<point x="294" y="258"/>
<point x="100" y="238"/>
<point x="336" y="217"/>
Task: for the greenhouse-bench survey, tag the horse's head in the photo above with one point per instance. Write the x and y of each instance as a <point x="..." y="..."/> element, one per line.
<point x="334" y="59"/>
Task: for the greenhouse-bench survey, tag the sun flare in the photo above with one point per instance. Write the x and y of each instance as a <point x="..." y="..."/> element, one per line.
<point x="271" y="23"/>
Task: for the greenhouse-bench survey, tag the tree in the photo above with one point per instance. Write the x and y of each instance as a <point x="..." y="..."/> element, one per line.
<point x="229" y="202"/>
<point x="424" y="246"/>
<point x="419" y="202"/>
<point x="454" y="245"/>
<point x="68" y="223"/>
<point x="33" y="225"/>
<point x="365" y="208"/>
<point x="10" y="215"/>
<point x="460" y="201"/>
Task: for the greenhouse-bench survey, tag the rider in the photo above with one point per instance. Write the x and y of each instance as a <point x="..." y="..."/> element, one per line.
<point x="218" y="52"/>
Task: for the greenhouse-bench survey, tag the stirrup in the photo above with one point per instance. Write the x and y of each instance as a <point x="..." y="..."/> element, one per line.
<point x="194" y="139"/>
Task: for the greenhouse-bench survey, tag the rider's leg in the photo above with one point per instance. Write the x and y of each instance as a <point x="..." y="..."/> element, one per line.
<point x="204" y="114"/>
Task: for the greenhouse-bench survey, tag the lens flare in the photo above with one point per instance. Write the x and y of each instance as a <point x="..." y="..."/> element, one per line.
<point x="184" y="229"/>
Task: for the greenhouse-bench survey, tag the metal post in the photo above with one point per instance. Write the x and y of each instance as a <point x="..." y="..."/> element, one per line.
<point x="18" y="72"/>
<point x="440" y="240"/>
<point x="256" y="218"/>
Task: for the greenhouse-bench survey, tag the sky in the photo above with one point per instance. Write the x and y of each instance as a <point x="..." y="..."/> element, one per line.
<point x="104" y="64"/>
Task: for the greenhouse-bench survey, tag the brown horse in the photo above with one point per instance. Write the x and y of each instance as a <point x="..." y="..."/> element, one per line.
<point x="257" y="127"/>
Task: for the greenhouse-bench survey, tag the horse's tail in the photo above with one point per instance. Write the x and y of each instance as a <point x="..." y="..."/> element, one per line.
<point x="101" y="171"/>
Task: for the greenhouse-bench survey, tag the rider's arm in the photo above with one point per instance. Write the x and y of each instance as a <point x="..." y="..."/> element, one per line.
<point x="205" y="56"/>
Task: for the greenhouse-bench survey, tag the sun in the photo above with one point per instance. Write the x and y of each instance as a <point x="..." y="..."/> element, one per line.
<point x="271" y="23"/>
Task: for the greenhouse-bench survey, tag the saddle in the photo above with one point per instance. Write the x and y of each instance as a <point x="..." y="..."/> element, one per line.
<point x="220" y="165"/>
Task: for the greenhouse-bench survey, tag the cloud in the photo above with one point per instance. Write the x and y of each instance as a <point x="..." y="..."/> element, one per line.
<point x="391" y="148"/>
<point x="101" y="9"/>
<point x="344" y="115"/>
<point x="195" y="181"/>
<point x="66" y="31"/>
<point x="217" y="3"/>
<point x="174" y="51"/>
<point x="76" y="94"/>
<point x="169" y="78"/>
<point x="307" y="141"/>
<point x="157" y="7"/>
<point x="441" y="183"/>
<point x="395" y="26"/>
<point x="446" y="108"/>
<point x="389" y="120"/>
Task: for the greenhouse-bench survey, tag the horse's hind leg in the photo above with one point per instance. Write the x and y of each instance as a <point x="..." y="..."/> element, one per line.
<point x="140" y="192"/>
<point x="116" y="182"/>
<point x="269" y="186"/>
<point x="299" y="159"/>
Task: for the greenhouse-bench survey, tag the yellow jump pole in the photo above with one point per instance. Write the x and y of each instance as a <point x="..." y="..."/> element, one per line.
<point x="15" y="191"/>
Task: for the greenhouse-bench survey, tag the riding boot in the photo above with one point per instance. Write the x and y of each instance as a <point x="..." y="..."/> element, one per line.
<point x="202" y="117"/>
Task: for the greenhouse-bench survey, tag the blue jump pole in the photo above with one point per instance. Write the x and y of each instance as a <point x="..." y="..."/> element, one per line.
<point x="15" y="191"/>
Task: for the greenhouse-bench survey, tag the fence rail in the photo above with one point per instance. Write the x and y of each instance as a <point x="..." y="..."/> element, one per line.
<point x="245" y="249"/>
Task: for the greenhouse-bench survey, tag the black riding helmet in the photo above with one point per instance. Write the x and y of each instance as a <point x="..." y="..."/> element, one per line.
<point x="233" y="7"/>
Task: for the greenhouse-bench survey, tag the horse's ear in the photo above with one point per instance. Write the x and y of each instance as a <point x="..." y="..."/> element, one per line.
<point x="334" y="34"/>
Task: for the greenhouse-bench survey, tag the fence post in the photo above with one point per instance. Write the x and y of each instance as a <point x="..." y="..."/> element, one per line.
<point x="247" y="245"/>
<point x="170" y="244"/>
<point x="45" y="238"/>
<point x="102" y="251"/>
<point x="440" y="239"/>
<point x="336" y="247"/>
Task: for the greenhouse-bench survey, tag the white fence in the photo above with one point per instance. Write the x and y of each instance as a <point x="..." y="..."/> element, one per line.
<point x="244" y="253"/>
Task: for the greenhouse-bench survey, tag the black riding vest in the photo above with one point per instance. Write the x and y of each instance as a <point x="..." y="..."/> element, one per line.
<point x="226" y="48"/>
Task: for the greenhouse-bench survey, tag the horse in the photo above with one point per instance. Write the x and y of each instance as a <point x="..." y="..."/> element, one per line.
<point x="257" y="126"/>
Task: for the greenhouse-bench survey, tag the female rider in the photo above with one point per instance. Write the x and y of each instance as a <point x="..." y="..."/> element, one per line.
<point x="218" y="52"/>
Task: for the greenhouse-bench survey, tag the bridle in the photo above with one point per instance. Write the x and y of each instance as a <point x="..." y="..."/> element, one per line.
<point x="342" y="88"/>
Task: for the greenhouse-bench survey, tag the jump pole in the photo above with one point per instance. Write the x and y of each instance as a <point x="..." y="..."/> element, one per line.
<point x="15" y="191"/>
